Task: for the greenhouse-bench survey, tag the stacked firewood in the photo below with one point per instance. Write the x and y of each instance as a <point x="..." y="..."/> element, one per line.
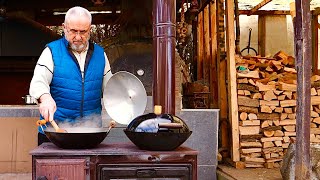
<point x="267" y="108"/>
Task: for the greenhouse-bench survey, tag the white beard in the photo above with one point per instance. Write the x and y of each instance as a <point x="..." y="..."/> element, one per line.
<point x="78" y="48"/>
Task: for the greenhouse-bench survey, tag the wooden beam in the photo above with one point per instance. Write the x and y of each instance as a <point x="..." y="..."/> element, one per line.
<point x="316" y="11"/>
<point x="264" y="12"/>
<point x="262" y="35"/>
<point x="206" y="48"/>
<point x="257" y="7"/>
<point x="315" y="46"/>
<point x="222" y="68"/>
<point x="200" y="44"/>
<point x="303" y="53"/>
<point x="213" y="64"/>
<point x="232" y="80"/>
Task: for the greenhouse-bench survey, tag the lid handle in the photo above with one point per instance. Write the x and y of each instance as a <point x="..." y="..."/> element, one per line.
<point x="157" y="109"/>
<point x="170" y="125"/>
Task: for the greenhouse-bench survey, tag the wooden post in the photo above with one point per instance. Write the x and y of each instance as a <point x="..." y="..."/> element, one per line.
<point x="213" y="64"/>
<point x="206" y="46"/>
<point x="303" y="53"/>
<point x="164" y="42"/>
<point x="222" y="68"/>
<point x="315" y="36"/>
<point x="232" y="80"/>
<point x="200" y="53"/>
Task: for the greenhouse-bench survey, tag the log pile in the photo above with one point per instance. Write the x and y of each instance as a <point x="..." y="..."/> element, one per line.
<point x="267" y="108"/>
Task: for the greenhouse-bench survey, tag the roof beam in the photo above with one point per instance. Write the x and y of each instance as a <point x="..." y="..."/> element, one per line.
<point x="264" y="12"/>
<point x="257" y="7"/>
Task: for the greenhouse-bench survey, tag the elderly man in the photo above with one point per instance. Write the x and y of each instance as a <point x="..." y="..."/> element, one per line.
<point x="70" y="74"/>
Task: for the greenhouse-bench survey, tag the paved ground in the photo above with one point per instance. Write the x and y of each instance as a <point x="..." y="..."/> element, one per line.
<point x="231" y="173"/>
<point x="16" y="176"/>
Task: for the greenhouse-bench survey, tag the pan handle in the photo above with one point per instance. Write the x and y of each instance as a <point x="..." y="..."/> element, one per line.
<point x="170" y="125"/>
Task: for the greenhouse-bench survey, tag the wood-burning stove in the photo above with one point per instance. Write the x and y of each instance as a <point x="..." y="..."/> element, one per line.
<point x="113" y="161"/>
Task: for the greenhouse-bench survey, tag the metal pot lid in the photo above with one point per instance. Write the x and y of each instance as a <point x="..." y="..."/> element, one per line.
<point x="125" y="97"/>
<point x="153" y="123"/>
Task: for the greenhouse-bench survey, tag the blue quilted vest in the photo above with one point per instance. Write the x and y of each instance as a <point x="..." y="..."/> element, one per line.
<point x="77" y="98"/>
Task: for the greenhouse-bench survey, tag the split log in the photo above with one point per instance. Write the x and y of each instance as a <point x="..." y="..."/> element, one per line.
<point x="250" y="123"/>
<point x="249" y="130"/>
<point x="315" y="100"/>
<point x="265" y="124"/>
<point x="268" y="133"/>
<point x="278" y="144"/>
<point x="313" y="92"/>
<point x="263" y="87"/>
<point x="250" y="150"/>
<point x="272" y="150"/>
<point x="243" y="116"/>
<point x="276" y="122"/>
<point x="266" y="139"/>
<point x="283" y="116"/>
<point x="242" y="80"/>
<point x="246" y="101"/>
<point x="290" y="133"/>
<point x="256" y="96"/>
<point x="288" y="94"/>
<point x="248" y="87"/>
<point x="281" y="97"/>
<point x="252" y="116"/>
<point x="314" y="114"/>
<point x="290" y="128"/>
<point x="272" y="128"/>
<point x="288" y="110"/>
<point x="250" y="74"/>
<point x="316" y="120"/>
<point x="266" y="116"/>
<point x="278" y="110"/>
<point x="248" y="109"/>
<point x="269" y="103"/>
<point x="289" y="103"/>
<point x="269" y="95"/>
<point x="265" y="109"/>
<point x="286" y="139"/>
<point x="253" y="137"/>
<point x="267" y="144"/>
<point x="250" y="144"/>
<point x="314" y="130"/>
<point x="258" y="160"/>
<point x="313" y="125"/>
<point x="287" y="122"/>
<point x="278" y="133"/>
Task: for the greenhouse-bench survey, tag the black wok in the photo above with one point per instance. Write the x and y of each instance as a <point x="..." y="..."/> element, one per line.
<point x="77" y="138"/>
<point x="160" y="141"/>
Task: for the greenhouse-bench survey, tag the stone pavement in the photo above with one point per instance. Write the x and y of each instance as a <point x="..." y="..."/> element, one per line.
<point x="16" y="176"/>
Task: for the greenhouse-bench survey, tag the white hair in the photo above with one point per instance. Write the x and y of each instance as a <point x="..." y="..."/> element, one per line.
<point x="77" y="11"/>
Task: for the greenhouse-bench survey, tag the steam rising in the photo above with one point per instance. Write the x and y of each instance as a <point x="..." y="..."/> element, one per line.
<point x="92" y="121"/>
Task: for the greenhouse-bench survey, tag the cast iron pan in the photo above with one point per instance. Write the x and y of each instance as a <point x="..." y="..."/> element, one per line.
<point x="77" y="138"/>
<point x="160" y="141"/>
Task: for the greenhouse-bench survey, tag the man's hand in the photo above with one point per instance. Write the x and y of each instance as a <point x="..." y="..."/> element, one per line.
<point x="47" y="107"/>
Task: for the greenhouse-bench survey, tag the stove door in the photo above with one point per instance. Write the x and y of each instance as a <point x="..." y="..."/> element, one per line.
<point x="145" y="171"/>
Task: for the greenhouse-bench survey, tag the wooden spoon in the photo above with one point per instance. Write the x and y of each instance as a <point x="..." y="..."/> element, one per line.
<point x="55" y="126"/>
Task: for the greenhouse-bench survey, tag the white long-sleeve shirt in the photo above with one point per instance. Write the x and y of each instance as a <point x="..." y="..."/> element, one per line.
<point x="43" y="72"/>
